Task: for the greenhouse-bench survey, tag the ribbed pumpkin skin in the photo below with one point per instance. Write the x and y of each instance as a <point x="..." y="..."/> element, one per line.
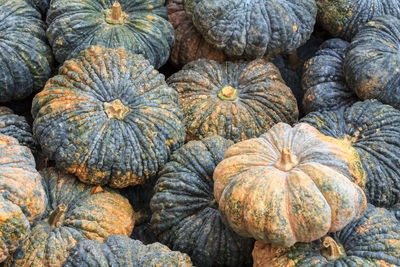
<point x="323" y="79"/>
<point x="344" y="18"/>
<point x="253" y="28"/>
<point x="263" y="98"/>
<point x="22" y="196"/>
<point x="372" y="60"/>
<point x="88" y="216"/>
<point x="316" y="196"/>
<point x="75" y="25"/>
<point x="396" y="210"/>
<point x="185" y="215"/>
<point x="73" y="128"/>
<point x="25" y="57"/>
<point x="374" y="240"/>
<point x="40" y="5"/>
<point x="117" y="250"/>
<point x="374" y="131"/>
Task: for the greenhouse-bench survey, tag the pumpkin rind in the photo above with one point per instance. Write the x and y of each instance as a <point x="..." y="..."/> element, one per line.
<point x="396" y="210"/>
<point x="40" y="5"/>
<point x="108" y="117"/>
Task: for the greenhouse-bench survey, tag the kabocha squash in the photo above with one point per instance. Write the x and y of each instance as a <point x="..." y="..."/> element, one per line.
<point x="74" y="212"/>
<point x="374" y="240"/>
<point x="236" y="100"/>
<point x="253" y="28"/>
<point x="372" y="61"/>
<point x="108" y="117"/>
<point x="25" y="57"/>
<point x="289" y="185"/>
<point x="185" y="213"/>
<point x="373" y="129"/>
<point x="140" y="26"/>
<point x="22" y="196"/>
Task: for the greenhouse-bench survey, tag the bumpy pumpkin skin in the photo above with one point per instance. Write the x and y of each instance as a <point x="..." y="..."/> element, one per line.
<point x="256" y="98"/>
<point x="373" y="129"/>
<point x="108" y="117"/>
<point x="143" y="28"/>
<point x="185" y="214"/>
<point x="311" y="194"/>
<point x="374" y="240"/>
<point x="25" y="57"/>
<point x="372" y="61"/>
<point x="88" y="215"/>
<point x="344" y="18"/>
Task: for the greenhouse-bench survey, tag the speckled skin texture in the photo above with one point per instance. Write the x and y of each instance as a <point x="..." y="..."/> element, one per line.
<point x="372" y="61"/>
<point x="263" y="98"/>
<point x="40" y="5"/>
<point x="344" y="18"/>
<point x="374" y="240"/>
<point x="185" y="214"/>
<point x="25" y="57"/>
<point x="121" y="251"/>
<point x="74" y="25"/>
<point x="88" y="216"/>
<point x="316" y="196"/>
<point x="323" y="79"/>
<point x="22" y="196"/>
<point x="373" y="130"/>
<point x="253" y="28"/>
<point x="396" y="210"/>
<point x="73" y="127"/>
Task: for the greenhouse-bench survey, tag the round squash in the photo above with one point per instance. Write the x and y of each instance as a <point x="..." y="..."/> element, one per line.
<point x="373" y="129"/>
<point x="185" y="213"/>
<point x="374" y="240"/>
<point x="236" y="100"/>
<point x="289" y="185"/>
<point x="108" y="117"/>
<point x="74" y="212"/>
<point x="140" y="26"/>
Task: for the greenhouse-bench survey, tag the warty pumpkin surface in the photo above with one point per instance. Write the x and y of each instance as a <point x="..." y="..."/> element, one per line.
<point x="74" y="211"/>
<point x="373" y="240"/>
<point x="289" y="185"/>
<point x="108" y="117"/>
<point x="373" y="129"/>
<point x="22" y="196"/>
<point x="140" y="26"/>
<point x="236" y="100"/>
<point x="185" y="213"/>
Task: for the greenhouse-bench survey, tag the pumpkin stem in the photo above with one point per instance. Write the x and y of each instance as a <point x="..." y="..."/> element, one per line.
<point x="96" y="189"/>
<point x="115" y="109"/>
<point x="348" y="139"/>
<point x="287" y="161"/>
<point x="56" y="218"/>
<point x="114" y="15"/>
<point x="228" y="93"/>
<point x="332" y="250"/>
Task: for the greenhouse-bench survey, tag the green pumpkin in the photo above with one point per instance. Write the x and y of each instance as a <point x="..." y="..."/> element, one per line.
<point x="40" y="5"/>
<point x="396" y="210"/>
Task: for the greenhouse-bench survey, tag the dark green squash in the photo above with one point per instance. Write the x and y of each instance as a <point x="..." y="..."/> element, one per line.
<point x="185" y="213"/>
<point x="40" y="5"/>
<point x="396" y="210"/>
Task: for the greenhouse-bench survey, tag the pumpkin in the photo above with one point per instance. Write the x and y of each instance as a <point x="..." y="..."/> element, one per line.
<point x="108" y="117"/>
<point x="373" y="129"/>
<point x="253" y="28"/>
<point x="373" y="240"/>
<point x="40" y="5"/>
<point x="25" y="57"/>
<point x="323" y="79"/>
<point x="372" y="59"/>
<point x="140" y="26"/>
<point x="344" y="18"/>
<point x="289" y="185"/>
<point x="22" y="196"/>
<point x="236" y="100"/>
<point x="74" y="212"/>
<point x="185" y="213"/>
<point x="396" y="210"/>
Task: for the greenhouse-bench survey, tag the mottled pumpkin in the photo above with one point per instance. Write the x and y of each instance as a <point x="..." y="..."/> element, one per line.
<point x="372" y="61"/>
<point x="22" y="196"/>
<point x="253" y="28"/>
<point x="185" y="213"/>
<point x="108" y="117"/>
<point x="40" y="5"/>
<point x="236" y="100"/>
<point x="373" y="129"/>
<point x="374" y="240"/>
<point x="289" y="185"/>
<point x="74" y="212"/>
<point x="140" y="26"/>
<point x="25" y="57"/>
<point x="396" y="210"/>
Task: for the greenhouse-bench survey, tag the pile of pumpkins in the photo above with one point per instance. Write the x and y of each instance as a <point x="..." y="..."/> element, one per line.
<point x="274" y="140"/>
